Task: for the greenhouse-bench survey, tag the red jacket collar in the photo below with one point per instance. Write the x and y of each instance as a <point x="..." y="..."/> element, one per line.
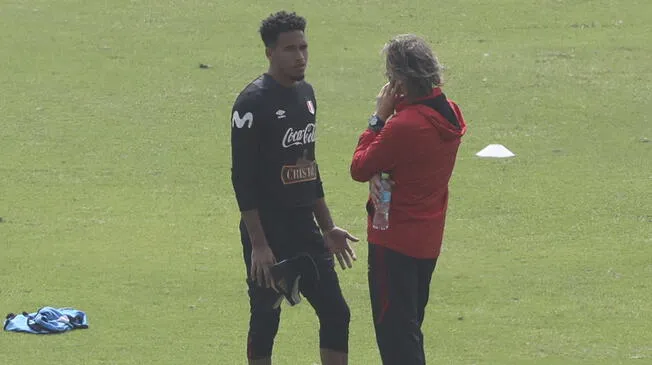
<point x="402" y="104"/>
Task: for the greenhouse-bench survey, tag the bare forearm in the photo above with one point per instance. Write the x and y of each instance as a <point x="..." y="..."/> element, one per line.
<point x="251" y="219"/>
<point x="323" y="215"/>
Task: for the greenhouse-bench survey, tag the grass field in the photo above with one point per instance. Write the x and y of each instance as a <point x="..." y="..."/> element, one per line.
<point x="115" y="192"/>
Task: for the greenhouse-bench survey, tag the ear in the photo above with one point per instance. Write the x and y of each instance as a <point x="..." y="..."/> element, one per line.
<point x="400" y="87"/>
<point x="268" y="53"/>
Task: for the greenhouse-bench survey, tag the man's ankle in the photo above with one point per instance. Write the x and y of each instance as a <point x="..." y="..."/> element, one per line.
<point x="265" y="361"/>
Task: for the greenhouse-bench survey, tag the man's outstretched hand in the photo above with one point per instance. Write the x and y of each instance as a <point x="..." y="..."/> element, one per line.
<point x="337" y="242"/>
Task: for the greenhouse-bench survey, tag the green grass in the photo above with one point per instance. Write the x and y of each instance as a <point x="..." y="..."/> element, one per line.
<point x="115" y="194"/>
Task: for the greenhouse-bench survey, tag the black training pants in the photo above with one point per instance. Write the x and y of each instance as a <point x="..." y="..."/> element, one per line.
<point x="399" y="287"/>
<point x="291" y="233"/>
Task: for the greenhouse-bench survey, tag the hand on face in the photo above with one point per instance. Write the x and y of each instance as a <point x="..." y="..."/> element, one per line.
<point x="386" y="100"/>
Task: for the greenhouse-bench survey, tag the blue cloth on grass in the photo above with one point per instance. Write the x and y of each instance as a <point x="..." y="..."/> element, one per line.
<point x="46" y="320"/>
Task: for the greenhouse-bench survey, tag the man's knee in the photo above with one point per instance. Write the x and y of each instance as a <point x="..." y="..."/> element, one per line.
<point x="334" y="327"/>
<point x="263" y="326"/>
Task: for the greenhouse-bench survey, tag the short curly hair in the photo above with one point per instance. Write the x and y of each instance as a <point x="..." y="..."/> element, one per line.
<point x="278" y="23"/>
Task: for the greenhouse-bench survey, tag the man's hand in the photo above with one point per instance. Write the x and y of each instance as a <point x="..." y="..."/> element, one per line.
<point x="337" y="243"/>
<point x="375" y="187"/>
<point x="386" y="101"/>
<point x="262" y="259"/>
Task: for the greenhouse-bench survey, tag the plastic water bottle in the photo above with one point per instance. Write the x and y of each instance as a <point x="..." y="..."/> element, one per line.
<point x="381" y="214"/>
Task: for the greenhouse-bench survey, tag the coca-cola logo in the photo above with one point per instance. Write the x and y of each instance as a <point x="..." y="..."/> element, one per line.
<point x="299" y="137"/>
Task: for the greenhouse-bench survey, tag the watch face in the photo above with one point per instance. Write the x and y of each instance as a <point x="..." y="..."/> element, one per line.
<point x="373" y="120"/>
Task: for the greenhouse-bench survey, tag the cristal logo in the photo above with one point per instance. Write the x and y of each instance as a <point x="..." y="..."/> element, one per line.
<point x="299" y="137"/>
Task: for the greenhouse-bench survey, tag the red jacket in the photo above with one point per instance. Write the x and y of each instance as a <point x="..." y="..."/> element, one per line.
<point x="418" y="146"/>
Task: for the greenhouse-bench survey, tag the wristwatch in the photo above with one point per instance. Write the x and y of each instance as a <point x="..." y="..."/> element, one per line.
<point x="375" y="123"/>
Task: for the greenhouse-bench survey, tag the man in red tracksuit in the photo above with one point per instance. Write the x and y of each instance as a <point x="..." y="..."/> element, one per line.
<point x="414" y="135"/>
